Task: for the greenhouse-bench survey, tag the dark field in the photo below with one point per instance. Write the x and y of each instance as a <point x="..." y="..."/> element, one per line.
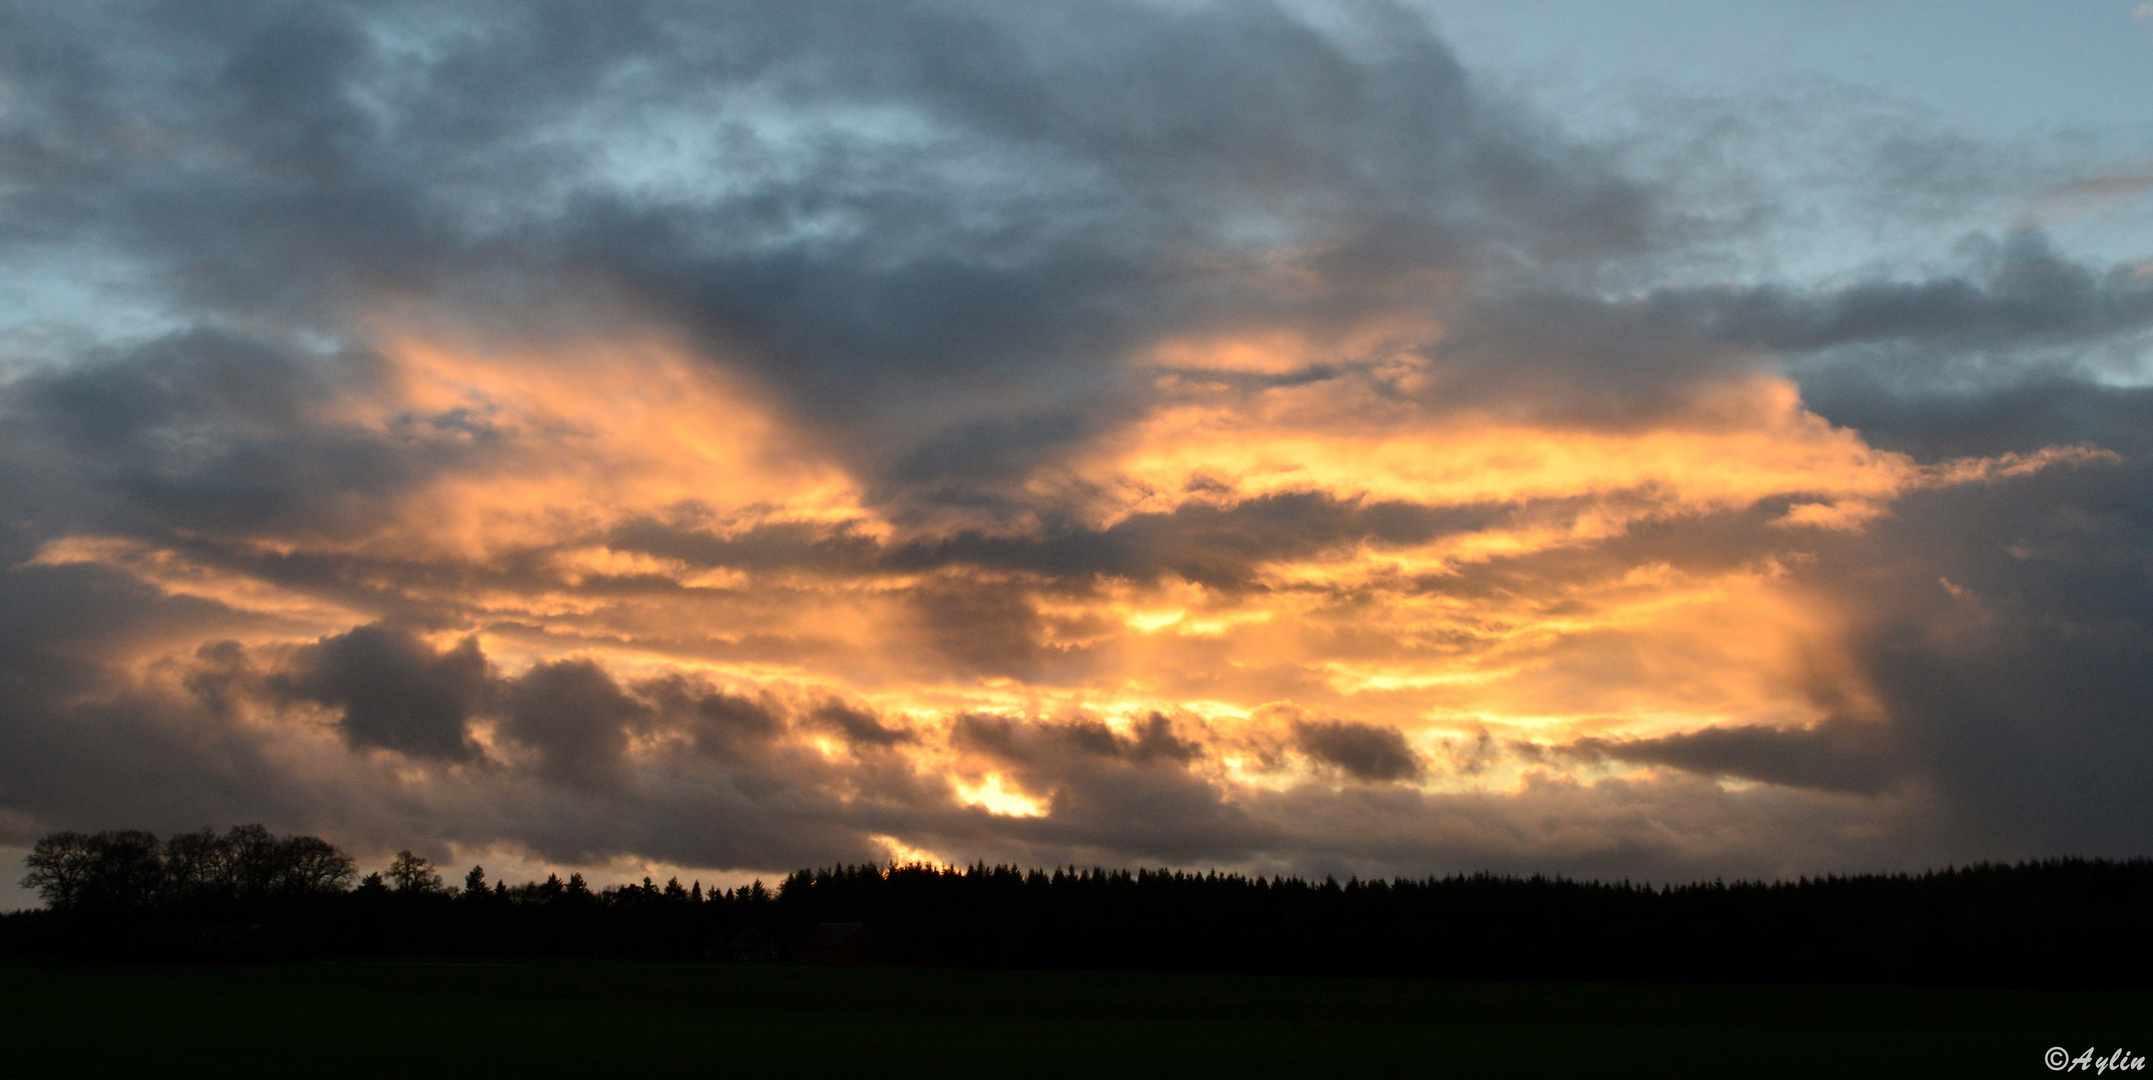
<point x="599" y="1018"/>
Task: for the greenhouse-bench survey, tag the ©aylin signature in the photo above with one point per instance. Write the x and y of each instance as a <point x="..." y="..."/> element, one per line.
<point x="2060" y="1060"/>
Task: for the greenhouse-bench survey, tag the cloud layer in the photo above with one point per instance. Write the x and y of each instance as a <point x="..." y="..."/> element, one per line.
<point x="1219" y="435"/>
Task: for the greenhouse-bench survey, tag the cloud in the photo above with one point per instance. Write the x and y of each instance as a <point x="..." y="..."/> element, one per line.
<point x="1833" y="756"/>
<point x="2017" y="684"/>
<point x="1363" y="751"/>
<point x="857" y="726"/>
<point x="394" y="691"/>
<point x="727" y="727"/>
<point x="2020" y="292"/>
<point x="577" y="718"/>
<point x="749" y="437"/>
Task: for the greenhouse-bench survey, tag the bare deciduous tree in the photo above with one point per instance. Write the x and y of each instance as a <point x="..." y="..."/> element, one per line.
<point x="116" y="869"/>
<point x="413" y="874"/>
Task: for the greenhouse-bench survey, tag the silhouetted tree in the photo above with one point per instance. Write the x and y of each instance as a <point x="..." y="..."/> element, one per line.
<point x="123" y="894"/>
<point x="413" y="874"/>
<point x="310" y="866"/>
<point x="197" y="866"/>
<point x="257" y="864"/>
<point x="61" y="867"/>
<point x="250" y="863"/>
<point x="108" y="870"/>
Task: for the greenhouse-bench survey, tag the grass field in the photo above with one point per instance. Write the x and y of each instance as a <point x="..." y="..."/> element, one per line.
<point x="480" y="1019"/>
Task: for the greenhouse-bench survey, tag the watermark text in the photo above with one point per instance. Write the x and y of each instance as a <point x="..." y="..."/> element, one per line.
<point x="2061" y="1060"/>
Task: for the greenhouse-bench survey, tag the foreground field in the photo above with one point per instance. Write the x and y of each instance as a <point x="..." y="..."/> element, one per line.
<point x="593" y="1018"/>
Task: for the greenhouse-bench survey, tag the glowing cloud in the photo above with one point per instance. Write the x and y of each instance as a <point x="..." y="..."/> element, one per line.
<point x="1205" y="433"/>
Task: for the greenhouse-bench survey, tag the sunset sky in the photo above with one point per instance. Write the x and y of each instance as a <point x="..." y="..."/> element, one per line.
<point x="1618" y="439"/>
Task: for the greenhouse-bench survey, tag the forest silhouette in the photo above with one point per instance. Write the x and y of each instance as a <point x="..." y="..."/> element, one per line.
<point x="248" y="894"/>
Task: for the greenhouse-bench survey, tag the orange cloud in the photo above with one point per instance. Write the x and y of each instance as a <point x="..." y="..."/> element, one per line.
<point x="1743" y="443"/>
<point x="1459" y="635"/>
<point x="602" y="432"/>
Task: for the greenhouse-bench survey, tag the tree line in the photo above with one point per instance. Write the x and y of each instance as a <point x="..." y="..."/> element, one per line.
<point x="129" y="868"/>
<point x="248" y="866"/>
<point x="249" y="894"/>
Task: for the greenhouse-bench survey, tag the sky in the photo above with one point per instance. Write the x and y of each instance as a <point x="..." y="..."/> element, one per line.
<point x="1629" y="440"/>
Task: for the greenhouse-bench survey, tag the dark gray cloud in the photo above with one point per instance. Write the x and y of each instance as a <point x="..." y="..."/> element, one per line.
<point x="394" y="690"/>
<point x="2014" y="662"/>
<point x="577" y="718"/>
<point x="728" y="727"/>
<point x="1363" y="751"/>
<point x="857" y="726"/>
<point x="1834" y="756"/>
<point x="1150" y="738"/>
<point x="1946" y="422"/>
<point x="2021" y="347"/>
<point x="212" y="433"/>
<point x="2015" y="293"/>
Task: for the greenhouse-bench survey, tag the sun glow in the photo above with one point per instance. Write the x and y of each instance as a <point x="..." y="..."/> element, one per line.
<point x="615" y="500"/>
<point x="993" y="795"/>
